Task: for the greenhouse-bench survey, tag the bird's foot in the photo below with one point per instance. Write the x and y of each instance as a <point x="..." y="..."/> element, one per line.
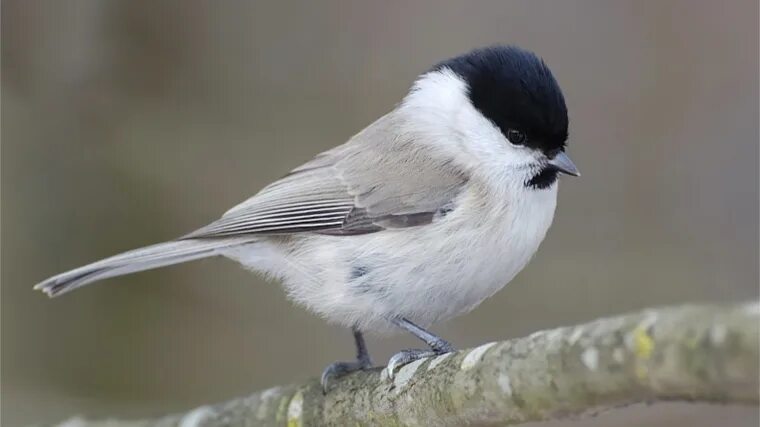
<point x="407" y="356"/>
<point x="339" y="369"/>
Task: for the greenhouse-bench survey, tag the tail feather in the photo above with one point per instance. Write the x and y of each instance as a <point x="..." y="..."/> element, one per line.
<point x="149" y="257"/>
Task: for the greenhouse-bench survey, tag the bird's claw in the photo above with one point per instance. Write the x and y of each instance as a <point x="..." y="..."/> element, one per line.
<point x="405" y="357"/>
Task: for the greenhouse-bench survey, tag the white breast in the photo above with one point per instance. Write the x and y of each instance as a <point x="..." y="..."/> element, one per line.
<point x="427" y="273"/>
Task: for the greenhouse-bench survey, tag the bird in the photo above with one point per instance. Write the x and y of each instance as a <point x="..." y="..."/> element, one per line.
<point x="415" y="220"/>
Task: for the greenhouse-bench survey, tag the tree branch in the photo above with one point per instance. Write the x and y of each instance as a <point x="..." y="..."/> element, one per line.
<point x="700" y="353"/>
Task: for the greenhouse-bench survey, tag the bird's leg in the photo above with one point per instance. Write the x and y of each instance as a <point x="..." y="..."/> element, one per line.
<point x="362" y="354"/>
<point x="338" y="369"/>
<point x="437" y="346"/>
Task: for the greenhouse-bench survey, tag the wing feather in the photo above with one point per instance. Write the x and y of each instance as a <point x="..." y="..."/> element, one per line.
<point x="375" y="181"/>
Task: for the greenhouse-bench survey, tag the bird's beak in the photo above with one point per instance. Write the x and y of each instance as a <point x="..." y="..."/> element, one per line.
<point x="562" y="163"/>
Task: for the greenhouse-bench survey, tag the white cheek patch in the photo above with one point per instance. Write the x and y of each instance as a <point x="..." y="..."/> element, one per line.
<point x="439" y="106"/>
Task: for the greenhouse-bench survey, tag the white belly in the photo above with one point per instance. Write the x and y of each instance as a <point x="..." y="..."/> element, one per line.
<point x="426" y="274"/>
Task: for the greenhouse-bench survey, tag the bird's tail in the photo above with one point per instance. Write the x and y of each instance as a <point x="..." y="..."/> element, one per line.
<point x="149" y="257"/>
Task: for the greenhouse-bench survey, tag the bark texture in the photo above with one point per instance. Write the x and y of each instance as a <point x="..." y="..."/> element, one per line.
<point x="691" y="353"/>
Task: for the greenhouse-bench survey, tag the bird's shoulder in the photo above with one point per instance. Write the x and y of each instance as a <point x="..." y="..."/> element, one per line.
<point x="382" y="177"/>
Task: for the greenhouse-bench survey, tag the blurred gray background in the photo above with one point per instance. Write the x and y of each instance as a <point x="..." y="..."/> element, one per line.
<point x="130" y="122"/>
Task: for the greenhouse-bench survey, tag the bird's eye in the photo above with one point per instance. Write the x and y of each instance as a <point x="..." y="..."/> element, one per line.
<point x="515" y="136"/>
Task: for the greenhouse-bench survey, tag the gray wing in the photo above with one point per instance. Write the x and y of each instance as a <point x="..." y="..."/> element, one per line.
<point x="377" y="180"/>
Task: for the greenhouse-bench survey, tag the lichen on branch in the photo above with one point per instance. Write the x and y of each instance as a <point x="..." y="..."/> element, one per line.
<point x="691" y="353"/>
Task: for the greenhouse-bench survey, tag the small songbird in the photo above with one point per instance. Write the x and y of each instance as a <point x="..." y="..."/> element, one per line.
<point x="416" y="219"/>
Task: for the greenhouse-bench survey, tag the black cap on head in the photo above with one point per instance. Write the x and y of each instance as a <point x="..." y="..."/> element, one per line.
<point x="514" y="89"/>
